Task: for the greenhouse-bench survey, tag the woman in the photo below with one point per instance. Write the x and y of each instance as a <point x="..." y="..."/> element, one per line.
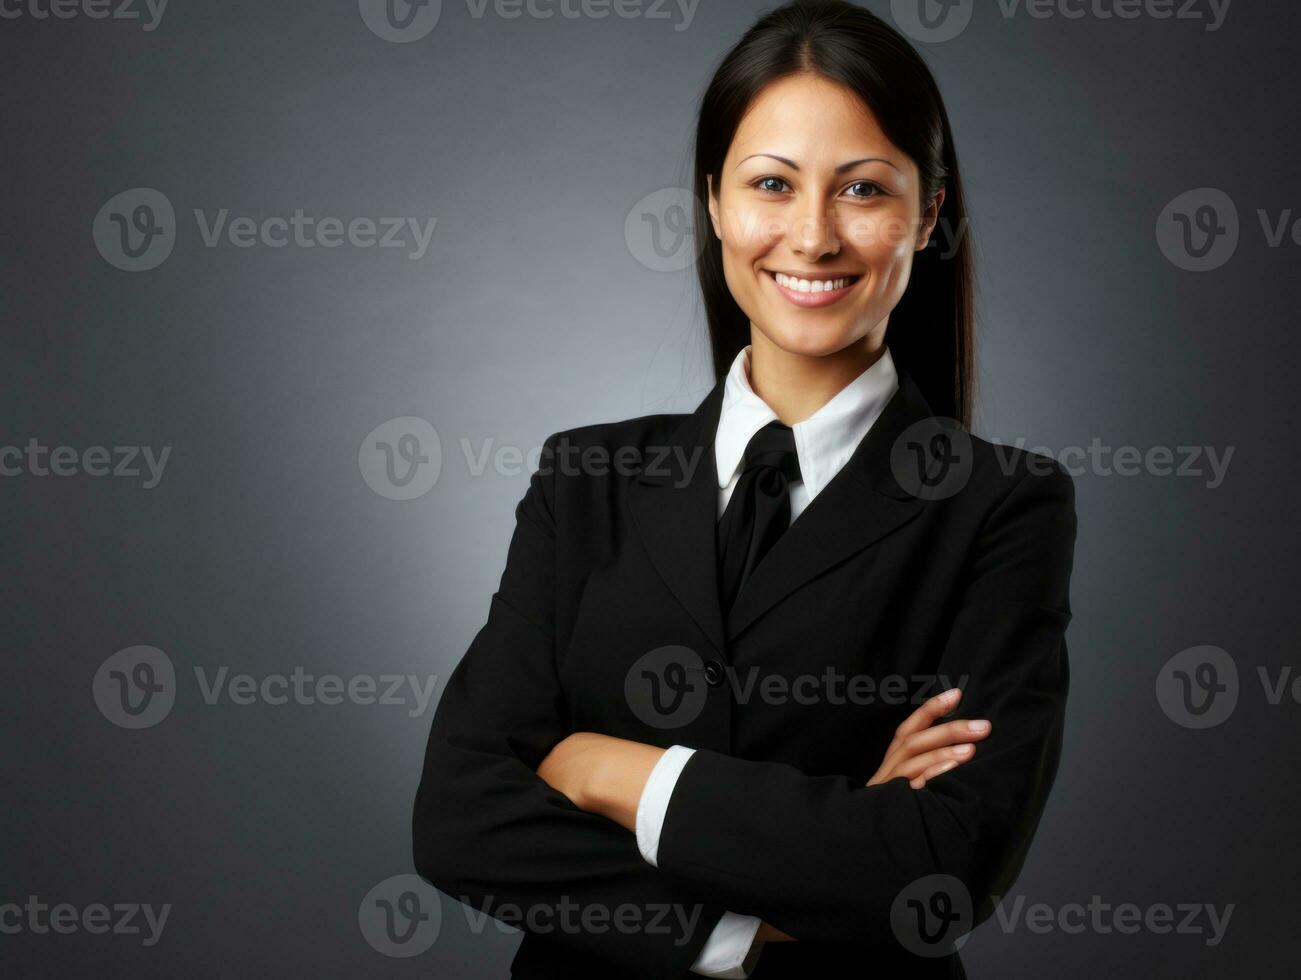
<point x="657" y="728"/>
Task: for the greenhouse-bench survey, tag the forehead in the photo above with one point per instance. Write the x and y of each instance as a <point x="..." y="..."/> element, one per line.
<point x="808" y="117"/>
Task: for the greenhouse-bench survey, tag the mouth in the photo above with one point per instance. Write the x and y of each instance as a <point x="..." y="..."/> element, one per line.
<point x="812" y="292"/>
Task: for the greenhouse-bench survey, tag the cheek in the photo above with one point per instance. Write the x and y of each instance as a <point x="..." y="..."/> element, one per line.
<point x="750" y="231"/>
<point x="880" y="236"/>
<point x="884" y="243"/>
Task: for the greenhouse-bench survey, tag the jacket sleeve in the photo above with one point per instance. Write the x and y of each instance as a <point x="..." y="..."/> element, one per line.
<point x="488" y="831"/>
<point x="825" y="857"/>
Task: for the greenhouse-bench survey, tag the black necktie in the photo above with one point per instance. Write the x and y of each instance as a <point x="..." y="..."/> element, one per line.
<point x="760" y="508"/>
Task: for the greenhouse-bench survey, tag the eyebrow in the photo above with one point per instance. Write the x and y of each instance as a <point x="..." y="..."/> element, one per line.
<point x="840" y="169"/>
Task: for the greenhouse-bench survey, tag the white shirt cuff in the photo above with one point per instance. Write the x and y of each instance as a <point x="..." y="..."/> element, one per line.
<point x="654" y="803"/>
<point x="730" y="951"/>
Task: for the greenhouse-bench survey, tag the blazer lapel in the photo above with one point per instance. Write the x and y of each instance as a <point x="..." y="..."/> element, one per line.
<point x="674" y="506"/>
<point x="861" y="505"/>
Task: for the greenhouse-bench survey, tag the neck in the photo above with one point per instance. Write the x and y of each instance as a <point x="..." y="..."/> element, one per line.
<point x="795" y="386"/>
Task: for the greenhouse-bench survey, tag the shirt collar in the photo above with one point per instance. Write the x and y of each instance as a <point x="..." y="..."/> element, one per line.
<point x="823" y="442"/>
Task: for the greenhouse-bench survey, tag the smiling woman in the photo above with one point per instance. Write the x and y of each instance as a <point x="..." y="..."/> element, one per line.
<point x="821" y="230"/>
<point x="824" y="152"/>
<point x="617" y="736"/>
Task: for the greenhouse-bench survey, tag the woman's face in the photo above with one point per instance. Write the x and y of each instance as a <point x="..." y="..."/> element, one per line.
<point x="819" y="215"/>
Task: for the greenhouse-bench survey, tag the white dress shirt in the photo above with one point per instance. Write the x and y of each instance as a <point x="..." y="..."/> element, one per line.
<point x="823" y="444"/>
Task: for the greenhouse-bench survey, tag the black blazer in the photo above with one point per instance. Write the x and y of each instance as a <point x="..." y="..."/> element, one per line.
<point x="771" y="816"/>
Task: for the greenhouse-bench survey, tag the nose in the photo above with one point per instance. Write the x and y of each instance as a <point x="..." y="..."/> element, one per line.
<point x="812" y="234"/>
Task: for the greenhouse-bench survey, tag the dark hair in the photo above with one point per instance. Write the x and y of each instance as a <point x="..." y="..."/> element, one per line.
<point x="930" y="330"/>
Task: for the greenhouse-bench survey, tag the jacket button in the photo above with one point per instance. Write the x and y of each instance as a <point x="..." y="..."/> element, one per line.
<point x="714" y="673"/>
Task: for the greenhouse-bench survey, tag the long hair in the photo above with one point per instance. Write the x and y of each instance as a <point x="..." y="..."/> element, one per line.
<point x="930" y="330"/>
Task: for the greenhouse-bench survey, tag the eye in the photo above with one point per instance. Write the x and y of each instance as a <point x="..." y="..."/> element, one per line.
<point x="865" y="189"/>
<point x="770" y="185"/>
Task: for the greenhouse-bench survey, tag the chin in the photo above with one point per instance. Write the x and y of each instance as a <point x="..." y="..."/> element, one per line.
<point x="810" y="341"/>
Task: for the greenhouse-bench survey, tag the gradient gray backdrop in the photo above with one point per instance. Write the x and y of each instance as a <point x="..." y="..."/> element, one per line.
<point x="531" y="141"/>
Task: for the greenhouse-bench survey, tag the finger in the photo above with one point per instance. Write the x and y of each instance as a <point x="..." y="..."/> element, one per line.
<point x="932" y="772"/>
<point x="930" y="711"/>
<point x="916" y="766"/>
<point x="949" y="733"/>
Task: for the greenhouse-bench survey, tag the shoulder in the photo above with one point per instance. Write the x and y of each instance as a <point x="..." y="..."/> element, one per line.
<point x="587" y="468"/>
<point x="1016" y="490"/>
<point x="1001" y="470"/>
<point x="612" y="438"/>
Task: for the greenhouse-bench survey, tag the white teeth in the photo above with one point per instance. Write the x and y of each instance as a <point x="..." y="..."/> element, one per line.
<point x="811" y="285"/>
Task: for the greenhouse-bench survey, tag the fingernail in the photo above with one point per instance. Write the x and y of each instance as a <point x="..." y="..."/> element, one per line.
<point x="963" y="750"/>
<point x="951" y="694"/>
<point x="978" y="726"/>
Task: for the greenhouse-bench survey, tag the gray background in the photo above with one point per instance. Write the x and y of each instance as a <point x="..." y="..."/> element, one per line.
<point x="531" y="140"/>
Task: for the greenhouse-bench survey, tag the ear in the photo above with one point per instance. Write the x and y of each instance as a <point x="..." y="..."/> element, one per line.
<point x="930" y="218"/>
<point x="713" y="207"/>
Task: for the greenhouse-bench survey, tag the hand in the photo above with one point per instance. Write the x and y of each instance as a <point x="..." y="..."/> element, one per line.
<point x="920" y="753"/>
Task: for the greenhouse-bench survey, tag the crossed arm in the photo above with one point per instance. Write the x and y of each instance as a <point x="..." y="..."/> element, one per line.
<point x="605" y="775"/>
<point x="818" y="858"/>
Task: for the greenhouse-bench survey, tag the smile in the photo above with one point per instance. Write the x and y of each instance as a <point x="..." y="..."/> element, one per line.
<point x="813" y="292"/>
